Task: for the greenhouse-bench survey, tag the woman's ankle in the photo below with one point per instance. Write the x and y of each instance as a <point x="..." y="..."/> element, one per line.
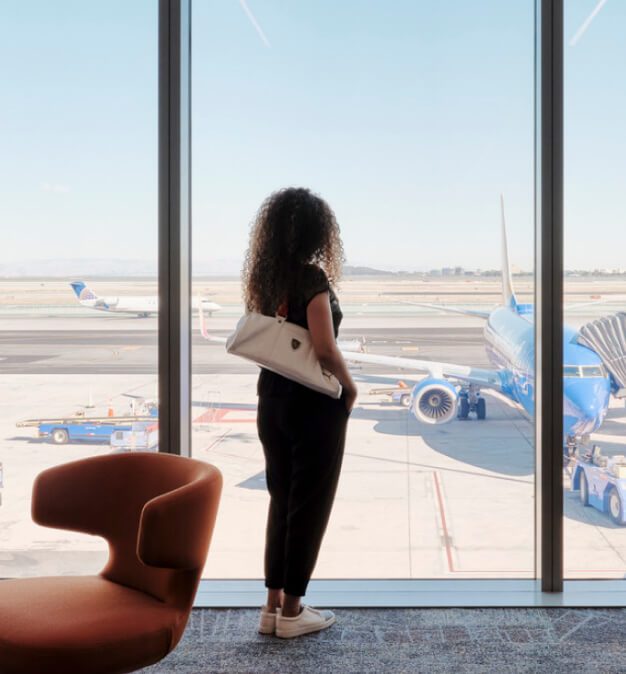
<point x="291" y="606"/>
<point x="274" y="600"/>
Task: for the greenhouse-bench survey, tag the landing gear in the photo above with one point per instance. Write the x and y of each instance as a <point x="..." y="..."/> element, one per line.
<point x="470" y="400"/>
<point x="464" y="407"/>
<point x="577" y="447"/>
<point x="481" y="408"/>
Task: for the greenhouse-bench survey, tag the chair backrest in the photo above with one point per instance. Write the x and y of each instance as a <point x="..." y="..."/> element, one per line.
<point x="157" y="512"/>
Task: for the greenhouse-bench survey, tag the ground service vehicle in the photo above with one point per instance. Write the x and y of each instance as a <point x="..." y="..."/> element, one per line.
<point x="142" y="437"/>
<point x="74" y="429"/>
<point x="398" y="394"/>
<point x="601" y="481"/>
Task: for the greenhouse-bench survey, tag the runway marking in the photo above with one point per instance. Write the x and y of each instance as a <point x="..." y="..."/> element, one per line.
<point x="447" y="538"/>
<point x="442" y="514"/>
<point x="442" y="468"/>
<point x="410" y="348"/>
<point x="218" y="440"/>
<point x="217" y="415"/>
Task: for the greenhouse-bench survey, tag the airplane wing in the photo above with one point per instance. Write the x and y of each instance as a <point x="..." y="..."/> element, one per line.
<point x="576" y="305"/>
<point x="454" y="310"/>
<point x="485" y="314"/>
<point x="463" y="373"/>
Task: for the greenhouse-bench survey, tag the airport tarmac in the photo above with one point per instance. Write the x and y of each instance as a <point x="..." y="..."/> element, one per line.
<point x="414" y="501"/>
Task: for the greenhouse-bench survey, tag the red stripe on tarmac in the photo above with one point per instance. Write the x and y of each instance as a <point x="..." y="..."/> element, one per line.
<point x="444" y="524"/>
<point x="218" y="415"/>
<point x="218" y="440"/>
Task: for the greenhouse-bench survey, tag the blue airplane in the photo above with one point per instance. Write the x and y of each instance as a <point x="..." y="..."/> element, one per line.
<point x="453" y="391"/>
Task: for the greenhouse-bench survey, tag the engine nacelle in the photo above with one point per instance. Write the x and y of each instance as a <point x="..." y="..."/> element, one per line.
<point x="434" y="401"/>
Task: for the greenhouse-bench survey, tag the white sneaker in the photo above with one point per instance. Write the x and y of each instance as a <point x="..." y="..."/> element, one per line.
<point x="308" y="620"/>
<point x="267" y="621"/>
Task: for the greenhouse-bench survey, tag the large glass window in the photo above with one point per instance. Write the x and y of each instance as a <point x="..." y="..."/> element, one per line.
<point x="411" y="120"/>
<point x="595" y="291"/>
<point x="78" y="260"/>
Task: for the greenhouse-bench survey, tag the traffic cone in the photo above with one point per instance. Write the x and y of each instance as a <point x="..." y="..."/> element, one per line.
<point x="111" y="412"/>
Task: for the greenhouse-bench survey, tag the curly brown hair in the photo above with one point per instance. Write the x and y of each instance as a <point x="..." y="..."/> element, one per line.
<point x="293" y="228"/>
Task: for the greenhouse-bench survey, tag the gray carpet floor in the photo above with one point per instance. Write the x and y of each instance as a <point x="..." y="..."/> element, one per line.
<point x="408" y="640"/>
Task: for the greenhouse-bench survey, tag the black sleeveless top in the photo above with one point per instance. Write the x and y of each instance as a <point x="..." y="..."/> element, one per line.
<point x="310" y="282"/>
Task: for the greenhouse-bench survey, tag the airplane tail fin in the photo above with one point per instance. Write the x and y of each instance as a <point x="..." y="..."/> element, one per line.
<point x="82" y="292"/>
<point x="508" y="294"/>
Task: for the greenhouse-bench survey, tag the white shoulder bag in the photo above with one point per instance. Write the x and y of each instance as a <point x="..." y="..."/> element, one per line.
<point x="284" y="348"/>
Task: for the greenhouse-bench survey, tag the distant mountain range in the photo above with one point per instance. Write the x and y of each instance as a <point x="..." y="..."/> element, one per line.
<point x="99" y="267"/>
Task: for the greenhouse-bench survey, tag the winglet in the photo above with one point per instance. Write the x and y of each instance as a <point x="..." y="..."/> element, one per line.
<point x="203" y="330"/>
<point x="508" y="295"/>
<point x="202" y="321"/>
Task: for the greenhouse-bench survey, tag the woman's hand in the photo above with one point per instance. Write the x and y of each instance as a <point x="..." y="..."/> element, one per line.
<point x="320" y="322"/>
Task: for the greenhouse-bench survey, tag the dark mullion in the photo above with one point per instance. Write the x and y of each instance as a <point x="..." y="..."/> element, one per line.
<point x="184" y="238"/>
<point x="549" y="291"/>
<point x="174" y="338"/>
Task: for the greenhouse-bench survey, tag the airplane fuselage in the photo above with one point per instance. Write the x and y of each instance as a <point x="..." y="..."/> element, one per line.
<point x="144" y="306"/>
<point x="510" y="344"/>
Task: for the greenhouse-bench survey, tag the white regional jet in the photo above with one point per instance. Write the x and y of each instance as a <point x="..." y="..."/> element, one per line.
<point x="141" y="305"/>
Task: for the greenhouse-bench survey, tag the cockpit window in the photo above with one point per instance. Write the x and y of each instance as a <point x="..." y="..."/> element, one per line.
<point x="584" y="371"/>
<point x="593" y="371"/>
<point x="571" y="371"/>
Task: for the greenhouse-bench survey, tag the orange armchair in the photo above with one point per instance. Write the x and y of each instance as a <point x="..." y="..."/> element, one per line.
<point x="157" y="512"/>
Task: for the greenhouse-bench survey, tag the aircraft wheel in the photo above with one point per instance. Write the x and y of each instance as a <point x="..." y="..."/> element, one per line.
<point x="615" y="506"/>
<point x="481" y="408"/>
<point x="60" y="436"/>
<point x="584" y="489"/>
<point x="463" y="408"/>
<point x="405" y="400"/>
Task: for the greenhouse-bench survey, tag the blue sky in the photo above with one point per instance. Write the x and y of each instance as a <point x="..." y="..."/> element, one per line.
<point x="409" y="117"/>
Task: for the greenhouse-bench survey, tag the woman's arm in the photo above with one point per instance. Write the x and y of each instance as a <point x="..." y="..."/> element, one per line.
<point x="320" y="320"/>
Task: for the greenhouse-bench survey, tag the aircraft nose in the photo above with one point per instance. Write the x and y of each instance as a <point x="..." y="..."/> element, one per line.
<point x="584" y="405"/>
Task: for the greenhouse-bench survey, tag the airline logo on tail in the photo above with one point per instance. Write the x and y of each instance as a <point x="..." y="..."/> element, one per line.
<point x="83" y="293"/>
<point x="86" y="294"/>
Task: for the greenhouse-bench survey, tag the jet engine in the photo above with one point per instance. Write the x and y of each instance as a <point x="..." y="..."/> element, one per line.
<point x="434" y="401"/>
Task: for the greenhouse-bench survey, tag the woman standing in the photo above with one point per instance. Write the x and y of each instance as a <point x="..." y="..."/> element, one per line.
<point x="295" y="254"/>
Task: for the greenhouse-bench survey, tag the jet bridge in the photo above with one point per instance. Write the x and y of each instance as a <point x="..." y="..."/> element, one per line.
<point x="607" y="337"/>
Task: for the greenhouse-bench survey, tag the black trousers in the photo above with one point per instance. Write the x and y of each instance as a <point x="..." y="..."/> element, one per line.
<point x="303" y="437"/>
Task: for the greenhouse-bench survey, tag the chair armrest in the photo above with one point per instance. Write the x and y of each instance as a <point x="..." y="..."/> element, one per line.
<point x="175" y="528"/>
